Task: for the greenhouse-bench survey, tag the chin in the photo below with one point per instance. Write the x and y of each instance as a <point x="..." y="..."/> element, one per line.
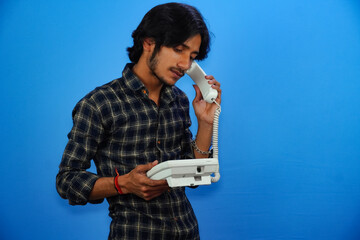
<point x="169" y="82"/>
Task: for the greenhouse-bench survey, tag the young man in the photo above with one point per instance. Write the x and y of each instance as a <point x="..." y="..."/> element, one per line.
<point x="132" y="123"/>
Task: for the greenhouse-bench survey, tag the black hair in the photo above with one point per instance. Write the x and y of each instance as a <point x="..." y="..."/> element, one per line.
<point x="170" y="25"/>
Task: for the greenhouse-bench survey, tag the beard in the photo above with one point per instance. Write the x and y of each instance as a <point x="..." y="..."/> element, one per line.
<point x="153" y="63"/>
<point x="153" y="66"/>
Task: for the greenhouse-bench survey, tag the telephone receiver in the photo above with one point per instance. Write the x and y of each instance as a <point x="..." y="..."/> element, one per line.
<point x="198" y="76"/>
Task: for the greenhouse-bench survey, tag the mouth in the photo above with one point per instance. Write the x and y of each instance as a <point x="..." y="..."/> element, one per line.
<point x="178" y="73"/>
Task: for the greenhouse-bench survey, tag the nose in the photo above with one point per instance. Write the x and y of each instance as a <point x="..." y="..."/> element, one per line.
<point x="184" y="63"/>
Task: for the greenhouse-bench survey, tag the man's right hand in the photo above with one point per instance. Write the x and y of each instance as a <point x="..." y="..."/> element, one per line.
<point x="137" y="182"/>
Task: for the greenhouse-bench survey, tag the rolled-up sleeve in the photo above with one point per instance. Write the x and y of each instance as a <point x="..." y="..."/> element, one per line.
<point x="74" y="182"/>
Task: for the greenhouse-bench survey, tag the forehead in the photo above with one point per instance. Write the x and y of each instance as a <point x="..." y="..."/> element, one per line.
<point x="193" y="43"/>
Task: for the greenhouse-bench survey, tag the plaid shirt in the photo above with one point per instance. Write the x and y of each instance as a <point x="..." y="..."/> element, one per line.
<point x="119" y="127"/>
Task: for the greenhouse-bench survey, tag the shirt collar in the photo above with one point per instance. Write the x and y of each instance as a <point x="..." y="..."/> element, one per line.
<point x="131" y="80"/>
<point x="135" y="84"/>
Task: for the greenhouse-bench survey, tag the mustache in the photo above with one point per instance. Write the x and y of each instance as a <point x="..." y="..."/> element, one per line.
<point x="179" y="70"/>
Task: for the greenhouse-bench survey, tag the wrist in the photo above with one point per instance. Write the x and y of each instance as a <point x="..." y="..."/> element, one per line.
<point x="120" y="184"/>
<point x="116" y="183"/>
<point x="205" y="125"/>
<point x="197" y="149"/>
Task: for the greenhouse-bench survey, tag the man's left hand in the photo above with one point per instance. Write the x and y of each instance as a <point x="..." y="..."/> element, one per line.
<point x="204" y="111"/>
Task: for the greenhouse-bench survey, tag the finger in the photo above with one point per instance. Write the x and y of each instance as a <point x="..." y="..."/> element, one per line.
<point x="160" y="189"/>
<point x="155" y="189"/>
<point x="209" y="77"/>
<point x="213" y="82"/>
<point x="217" y="88"/>
<point x="149" y="196"/>
<point x="152" y="192"/>
<point x="216" y="85"/>
<point x="156" y="183"/>
<point x="218" y="99"/>
<point x="198" y="95"/>
<point x="146" y="167"/>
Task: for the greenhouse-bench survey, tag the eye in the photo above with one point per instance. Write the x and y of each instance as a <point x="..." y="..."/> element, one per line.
<point x="178" y="50"/>
<point x="192" y="57"/>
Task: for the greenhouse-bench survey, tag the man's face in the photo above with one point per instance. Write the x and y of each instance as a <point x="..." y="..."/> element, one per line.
<point x="170" y="64"/>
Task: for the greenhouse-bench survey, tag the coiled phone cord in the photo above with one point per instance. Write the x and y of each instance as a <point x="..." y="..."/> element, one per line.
<point x="216" y="176"/>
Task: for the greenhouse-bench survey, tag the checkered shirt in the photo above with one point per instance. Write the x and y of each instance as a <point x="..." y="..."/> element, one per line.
<point x="119" y="127"/>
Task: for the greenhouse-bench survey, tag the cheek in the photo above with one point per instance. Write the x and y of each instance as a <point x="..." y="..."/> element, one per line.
<point x="164" y="63"/>
<point x="170" y="57"/>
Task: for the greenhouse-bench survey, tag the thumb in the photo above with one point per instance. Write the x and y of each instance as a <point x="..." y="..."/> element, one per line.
<point x="148" y="166"/>
<point x="198" y="95"/>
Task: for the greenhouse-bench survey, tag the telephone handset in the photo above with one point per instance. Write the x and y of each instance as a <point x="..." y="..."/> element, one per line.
<point x="193" y="172"/>
<point x="198" y="76"/>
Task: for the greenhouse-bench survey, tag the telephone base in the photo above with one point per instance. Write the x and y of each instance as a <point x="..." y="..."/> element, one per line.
<point x="188" y="172"/>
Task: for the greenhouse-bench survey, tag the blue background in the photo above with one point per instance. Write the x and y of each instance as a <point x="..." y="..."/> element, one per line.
<point x="289" y="128"/>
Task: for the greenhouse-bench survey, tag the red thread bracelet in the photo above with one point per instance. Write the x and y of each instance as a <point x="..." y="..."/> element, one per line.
<point x="117" y="187"/>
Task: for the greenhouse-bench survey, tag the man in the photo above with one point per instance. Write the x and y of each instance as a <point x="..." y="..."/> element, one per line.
<point x="132" y="123"/>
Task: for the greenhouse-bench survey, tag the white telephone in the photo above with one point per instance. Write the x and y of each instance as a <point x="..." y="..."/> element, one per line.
<point x="193" y="172"/>
<point x="198" y="76"/>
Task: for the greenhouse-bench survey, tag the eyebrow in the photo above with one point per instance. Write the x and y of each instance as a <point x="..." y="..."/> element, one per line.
<point x="187" y="47"/>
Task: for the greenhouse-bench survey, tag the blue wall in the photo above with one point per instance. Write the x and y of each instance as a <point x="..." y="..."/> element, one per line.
<point x="289" y="129"/>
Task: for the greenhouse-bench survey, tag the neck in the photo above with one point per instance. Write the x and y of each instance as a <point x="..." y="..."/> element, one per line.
<point x="151" y="82"/>
<point x="143" y="72"/>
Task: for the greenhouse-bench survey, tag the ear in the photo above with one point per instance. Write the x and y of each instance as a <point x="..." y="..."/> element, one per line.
<point x="148" y="44"/>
